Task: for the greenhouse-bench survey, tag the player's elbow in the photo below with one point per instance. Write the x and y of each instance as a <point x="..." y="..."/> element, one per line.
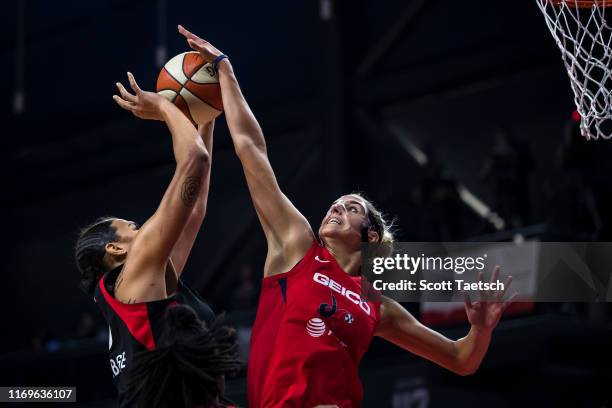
<point x="201" y="157"/>
<point x="465" y="370"/>
<point x="465" y="373"/>
<point x="198" y="158"/>
<point x="245" y="146"/>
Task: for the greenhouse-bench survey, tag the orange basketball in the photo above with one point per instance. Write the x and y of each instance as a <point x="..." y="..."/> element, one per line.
<point x="192" y="85"/>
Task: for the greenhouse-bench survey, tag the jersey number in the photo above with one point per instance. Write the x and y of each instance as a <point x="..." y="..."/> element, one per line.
<point x="117" y="364"/>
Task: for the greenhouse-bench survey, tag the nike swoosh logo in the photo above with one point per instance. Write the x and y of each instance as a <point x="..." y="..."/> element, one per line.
<point x="321" y="260"/>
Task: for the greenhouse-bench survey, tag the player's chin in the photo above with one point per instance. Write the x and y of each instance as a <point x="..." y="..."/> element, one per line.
<point x="326" y="231"/>
<point x="332" y="231"/>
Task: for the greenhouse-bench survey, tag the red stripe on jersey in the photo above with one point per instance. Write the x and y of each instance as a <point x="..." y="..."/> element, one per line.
<point x="135" y="316"/>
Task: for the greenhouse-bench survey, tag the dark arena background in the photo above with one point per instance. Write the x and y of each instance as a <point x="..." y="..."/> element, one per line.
<point x="454" y="117"/>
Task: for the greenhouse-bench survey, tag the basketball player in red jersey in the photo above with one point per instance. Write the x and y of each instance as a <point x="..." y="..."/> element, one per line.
<point x="314" y="323"/>
<point x="160" y="331"/>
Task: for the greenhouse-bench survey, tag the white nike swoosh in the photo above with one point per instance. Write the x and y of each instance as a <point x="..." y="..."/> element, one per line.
<point x="320" y="260"/>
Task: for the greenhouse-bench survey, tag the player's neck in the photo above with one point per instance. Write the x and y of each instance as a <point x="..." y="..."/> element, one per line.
<point x="349" y="260"/>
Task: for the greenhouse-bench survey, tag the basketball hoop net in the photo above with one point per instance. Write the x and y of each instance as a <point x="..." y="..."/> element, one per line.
<point x="584" y="37"/>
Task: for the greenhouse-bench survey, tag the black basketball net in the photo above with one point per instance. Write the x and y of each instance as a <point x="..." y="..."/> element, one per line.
<point x="584" y="38"/>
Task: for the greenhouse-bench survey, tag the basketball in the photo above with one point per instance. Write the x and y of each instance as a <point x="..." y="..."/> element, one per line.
<point x="192" y="85"/>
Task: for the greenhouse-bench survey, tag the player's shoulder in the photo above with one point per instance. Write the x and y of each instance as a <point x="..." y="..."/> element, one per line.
<point x="281" y="261"/>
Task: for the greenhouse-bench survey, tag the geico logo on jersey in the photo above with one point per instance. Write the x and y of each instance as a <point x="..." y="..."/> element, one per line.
<point x="118" y="364"/>
<point x="336" y="287"/>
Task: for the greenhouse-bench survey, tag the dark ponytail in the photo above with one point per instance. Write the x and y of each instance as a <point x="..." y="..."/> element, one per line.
<point x="187" y="364"/>
<point x="90" y="249"/>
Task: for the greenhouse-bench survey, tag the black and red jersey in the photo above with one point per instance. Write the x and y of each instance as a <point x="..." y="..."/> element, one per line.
<point x="137" y="327"/>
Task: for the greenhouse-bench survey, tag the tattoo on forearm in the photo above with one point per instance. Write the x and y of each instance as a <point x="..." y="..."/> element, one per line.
<point x="191" y="190"/>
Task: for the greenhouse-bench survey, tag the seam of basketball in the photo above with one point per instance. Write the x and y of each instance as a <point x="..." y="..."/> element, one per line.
<point x="209" y="83"/>
<point x="200" y="99"/>
<point x="183" y="64"/>
<point x="190" y="116"/>
<point x="171" y="90"/>
<point x="177" y="81"/>
<point x="189" y="79"/>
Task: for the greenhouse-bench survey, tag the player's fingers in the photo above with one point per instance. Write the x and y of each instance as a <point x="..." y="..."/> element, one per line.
<point x="509" y="301"/>
<point x="495" y="274"/>
<point x="193" y="45"/>
<point x="125" y="94"/>
<point x="467" y="300"/>
<point x="197" y="45"/>
<point x="506" y="286"/>
<point x="133" y="83"/>
<point x="186" y="33"/>
<point x="193" y="40"/>
<point x="483" y="294"/>
<point x="124" y="104"/>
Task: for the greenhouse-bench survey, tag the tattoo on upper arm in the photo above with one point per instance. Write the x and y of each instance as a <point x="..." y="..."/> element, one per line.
<point x="191" y="190"/>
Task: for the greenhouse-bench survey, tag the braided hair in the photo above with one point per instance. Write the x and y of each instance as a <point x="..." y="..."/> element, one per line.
<point x="185" y="367"/>
<point x="90" y="250"/>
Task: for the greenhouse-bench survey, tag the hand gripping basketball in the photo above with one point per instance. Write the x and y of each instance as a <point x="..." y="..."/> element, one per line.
<point x="206" y="50"/>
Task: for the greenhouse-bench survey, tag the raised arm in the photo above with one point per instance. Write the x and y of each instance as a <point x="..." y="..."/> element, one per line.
<point x="183" y="247"/>
<point x="287" y="231"/>
<point x="145" y="266"/>
<point x="461" y="356"/>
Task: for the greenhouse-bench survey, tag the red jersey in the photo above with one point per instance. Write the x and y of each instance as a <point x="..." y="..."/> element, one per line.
<point x="313" y="326"/>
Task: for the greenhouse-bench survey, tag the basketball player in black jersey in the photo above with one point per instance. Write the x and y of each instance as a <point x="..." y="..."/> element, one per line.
<point x="166" y="347"/>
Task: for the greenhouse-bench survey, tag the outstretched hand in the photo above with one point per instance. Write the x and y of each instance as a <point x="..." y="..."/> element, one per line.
<point x="485" y="313"/>
<point x="206" y="49"/>
<point x="143" y="104"/>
